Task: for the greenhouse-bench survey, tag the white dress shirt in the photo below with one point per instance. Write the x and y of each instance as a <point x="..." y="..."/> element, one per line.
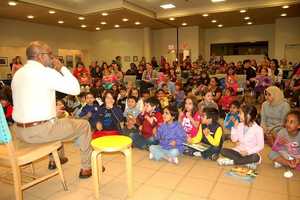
<point x="33" y="91"/>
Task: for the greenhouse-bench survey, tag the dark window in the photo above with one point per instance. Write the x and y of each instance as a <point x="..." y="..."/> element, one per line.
<point x="242" y="48"/>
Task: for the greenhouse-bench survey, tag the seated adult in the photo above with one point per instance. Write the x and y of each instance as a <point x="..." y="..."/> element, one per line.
<point x="33" y="91"/>
<point x="273" y="112"/>
<point x="109" y="117"/>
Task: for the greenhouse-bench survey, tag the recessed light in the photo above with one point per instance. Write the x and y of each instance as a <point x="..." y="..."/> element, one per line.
<point x="217" y="1"/>
<point x="283" y="15"/>
<point x="249" y="23"/>
<point x="184" y="24"/>
<point x="81" y="18"/>
<point x="167" y="6"/>
<point x="60" y="22"/>
<point x="243" y="11"/>
<point x="103" y="23"/>
<point x="125" y="20"/>
<point x="205" y="15"/>
<point x="117" y="26"/>
<point x="104" y="14"/>
<point x="83" y="26"/>
<point x="137" y="23"/>
<point x="213" y="21"/>
<point x="12" y="3"/>
<point x="30" y="16"/>
<point x="51" y="12"/>
<point x="220" y="25"/>
<point x="97" y="28"/>
<point x="285" y="7"/>
<point x="171" y="18"/>
<point x="246" y="18"/>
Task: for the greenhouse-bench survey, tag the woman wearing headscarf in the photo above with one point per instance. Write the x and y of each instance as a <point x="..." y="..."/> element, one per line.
<point x="273" y="112"/>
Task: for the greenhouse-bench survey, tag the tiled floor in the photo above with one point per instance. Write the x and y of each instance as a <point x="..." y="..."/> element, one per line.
<point x="192" y="179"/>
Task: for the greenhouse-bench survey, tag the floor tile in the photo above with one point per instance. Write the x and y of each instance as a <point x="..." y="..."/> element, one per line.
<point x="294" y="187"/>
<point x="294" y="198"/>
<point x="147" y="192"/>
<point x="229" y="192"/>
<point x="140" y="174"/>
<point x="271" y="184"/>
<point x="118" y="189"/>
<point x="201" y="171"/>
<point x="226" y="179"/>
<point x="182" y="196"/>
<point x="184" y="166"/>
<point x="74" y="193"/>
<point x="263" y="195"/>
<point x="164" y="180"/>
<point x="193" y="186"/>
<point x="151" y="164"/>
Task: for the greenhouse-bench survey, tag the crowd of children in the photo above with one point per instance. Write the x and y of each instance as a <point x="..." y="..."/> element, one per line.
<point x="175" y="107"/>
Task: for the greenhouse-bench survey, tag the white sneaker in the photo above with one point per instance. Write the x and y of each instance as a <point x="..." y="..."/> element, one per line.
<point x="277" y="165"/>
<point x="225" y="161"/>
<point x="197" y="153"/>
<point x="252" y="166"/>
<point x="151" y="156"/>
<point x="175" y="160"/>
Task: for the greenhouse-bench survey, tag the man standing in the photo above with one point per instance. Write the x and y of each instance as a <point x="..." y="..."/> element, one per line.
<point x="33" y="91"/>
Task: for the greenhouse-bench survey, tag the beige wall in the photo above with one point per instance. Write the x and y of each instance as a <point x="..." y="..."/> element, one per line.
<point x="287" y="32"/>
<point x="108" y="44"/>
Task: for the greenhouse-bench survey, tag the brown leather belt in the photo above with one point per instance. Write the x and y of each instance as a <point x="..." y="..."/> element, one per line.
<point x="31" y="124"/>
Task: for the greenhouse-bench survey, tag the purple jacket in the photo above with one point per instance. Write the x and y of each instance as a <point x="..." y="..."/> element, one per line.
<point x="169" y="132"/>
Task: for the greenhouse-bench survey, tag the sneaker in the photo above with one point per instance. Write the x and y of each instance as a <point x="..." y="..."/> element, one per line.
<point x="251" y="166"/>
<point x="151" y="156"/>
<point x="197" y="154"/>
<point x="277" y="165"/>
<point x="225" y="161"/>
<point x="175" y="160"/>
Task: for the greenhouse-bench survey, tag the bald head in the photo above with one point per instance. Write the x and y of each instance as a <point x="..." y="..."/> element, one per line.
<point x="35" y="48"/>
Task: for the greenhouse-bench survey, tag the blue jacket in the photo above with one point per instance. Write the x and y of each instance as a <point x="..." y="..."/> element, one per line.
<point x="169" y="132"/>
<point x="94" y="109"/>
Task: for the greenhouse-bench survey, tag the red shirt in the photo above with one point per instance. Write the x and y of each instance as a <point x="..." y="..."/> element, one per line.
<point x="147" y="127"/>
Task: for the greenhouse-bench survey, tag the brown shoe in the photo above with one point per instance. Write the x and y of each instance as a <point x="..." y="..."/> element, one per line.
<point x="52" y="165"/>
<point x="85" y="173"/>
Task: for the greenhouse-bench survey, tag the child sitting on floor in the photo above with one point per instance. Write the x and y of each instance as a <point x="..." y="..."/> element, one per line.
<point x="171" y="137"/>
<point x="226" y="101"/>
<point x="90" y="110"/>
<point x="286" y="149"/>
<point x="249" y="137"/>
<point x="233" y="115"/>
<point x="210" y="133"/>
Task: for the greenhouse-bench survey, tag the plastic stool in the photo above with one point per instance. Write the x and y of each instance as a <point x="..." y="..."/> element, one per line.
<point x="113" y="143"/>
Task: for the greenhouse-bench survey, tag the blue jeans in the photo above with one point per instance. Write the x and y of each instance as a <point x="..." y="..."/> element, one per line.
<point x="159" y="153"/>
<point x="140" y="142"/>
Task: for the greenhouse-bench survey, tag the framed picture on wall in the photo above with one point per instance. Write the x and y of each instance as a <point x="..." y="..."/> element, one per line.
<point x="78" y="59"/>
<point x="3" y="61"/>
<point x="135" y="58"/>
<point x="127" y="58"/>
<point x="69" y="61"/>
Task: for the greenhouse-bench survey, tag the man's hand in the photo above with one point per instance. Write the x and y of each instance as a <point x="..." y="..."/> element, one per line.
<point x="89" y="115"/>
<point x="57" y="65"/>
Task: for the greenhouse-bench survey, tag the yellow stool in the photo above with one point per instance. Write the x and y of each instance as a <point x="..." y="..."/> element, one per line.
<point x="111" y="144"/>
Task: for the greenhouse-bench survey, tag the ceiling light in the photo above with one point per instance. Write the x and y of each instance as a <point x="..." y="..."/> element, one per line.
<point x="60" y="22"/>
<point x="167" y="6"/>
<point x="283" y="15"/>
<point x="137" y="23"/>
<point x="205" y="15"/>
<point x="104" y="14"/>
<point x="213" y="21"/>
<point x="285" y="7"/>
<point x="83" y="26"/>
<point x="243" y="11"/>
<point x="249" y="23"/>
<point x="51" y="12"/>
<point x="246" y="18"/>
<point x="117" y="26"/>
<point x="103" y="23"/>
<point x="97" y="28"/>
<point x="220" y="25"/>
<point x="217" y="1"/>
<point x="171" y="18"/>
<point x="12" y="3"/>
<point x="184" y="24"/>
<point x="125" y="20"/>
<point x="30" y="16"/>
<point x="81" y="18"/>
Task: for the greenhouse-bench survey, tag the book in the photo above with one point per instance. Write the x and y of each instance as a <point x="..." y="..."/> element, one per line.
<point x="198" y="147"/>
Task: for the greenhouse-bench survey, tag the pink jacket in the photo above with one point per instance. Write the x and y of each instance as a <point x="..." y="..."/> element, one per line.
<point x="251" y="139"/>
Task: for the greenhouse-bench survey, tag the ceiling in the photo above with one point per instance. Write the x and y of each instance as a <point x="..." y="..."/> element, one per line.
<point x="148" y="12"/>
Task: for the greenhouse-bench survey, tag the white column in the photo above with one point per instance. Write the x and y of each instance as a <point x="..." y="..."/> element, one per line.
<point x="147" y="43"/>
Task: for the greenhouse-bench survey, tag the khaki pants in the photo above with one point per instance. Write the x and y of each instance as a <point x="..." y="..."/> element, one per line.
<point x="60" y="130"/>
